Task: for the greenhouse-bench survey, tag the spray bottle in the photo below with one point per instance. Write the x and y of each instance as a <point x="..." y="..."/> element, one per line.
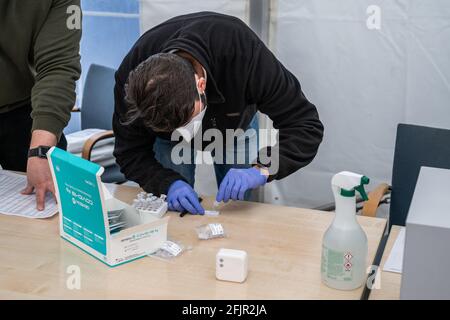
<point x="344" y="247"/>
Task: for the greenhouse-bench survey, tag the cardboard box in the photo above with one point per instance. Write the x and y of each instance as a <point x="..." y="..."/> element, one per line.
<point x="84" y="204"/>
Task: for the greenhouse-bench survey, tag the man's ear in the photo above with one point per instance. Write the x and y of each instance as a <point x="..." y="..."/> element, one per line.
<point x="201" y="85"/>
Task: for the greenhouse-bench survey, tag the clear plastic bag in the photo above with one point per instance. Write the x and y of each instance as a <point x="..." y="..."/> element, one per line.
<point x="169" y="250"/>
<point x="210" y="231"/>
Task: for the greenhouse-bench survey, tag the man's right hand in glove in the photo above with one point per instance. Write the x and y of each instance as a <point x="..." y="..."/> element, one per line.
<point x="182" y="197"/>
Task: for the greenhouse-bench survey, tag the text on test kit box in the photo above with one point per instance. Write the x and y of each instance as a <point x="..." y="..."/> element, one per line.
<point x="86" y="208"/>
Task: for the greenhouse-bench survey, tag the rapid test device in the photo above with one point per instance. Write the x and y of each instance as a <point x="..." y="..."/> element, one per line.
<point x="231" y="265"/>
<point x="96" y="222"/>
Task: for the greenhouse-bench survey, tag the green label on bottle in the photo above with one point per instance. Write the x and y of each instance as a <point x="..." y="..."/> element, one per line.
<point x="337" y="265"/>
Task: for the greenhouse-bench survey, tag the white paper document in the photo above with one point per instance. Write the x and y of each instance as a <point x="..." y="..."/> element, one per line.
<point x="12" y="202"/>
<point x="394" y="262"/>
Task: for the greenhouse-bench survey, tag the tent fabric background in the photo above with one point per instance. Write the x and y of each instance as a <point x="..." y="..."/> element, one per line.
<point x="153" y="12"/>
<point x="363" y="82"/>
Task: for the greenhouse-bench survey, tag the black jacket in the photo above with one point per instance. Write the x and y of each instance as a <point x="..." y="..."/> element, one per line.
<point x="243" y="77"/>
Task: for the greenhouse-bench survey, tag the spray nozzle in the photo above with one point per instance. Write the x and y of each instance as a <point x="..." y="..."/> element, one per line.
<point x="360" y="188"/>
<point x="348" y="183"/>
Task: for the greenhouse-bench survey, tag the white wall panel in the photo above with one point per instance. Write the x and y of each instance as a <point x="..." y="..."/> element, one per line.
<point x="363" y="82"/>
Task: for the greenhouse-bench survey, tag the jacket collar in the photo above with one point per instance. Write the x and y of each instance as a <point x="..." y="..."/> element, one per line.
<point x="201" y="55"/>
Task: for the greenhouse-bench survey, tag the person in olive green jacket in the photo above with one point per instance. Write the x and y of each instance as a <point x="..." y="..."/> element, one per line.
<point x="39" y="64"/>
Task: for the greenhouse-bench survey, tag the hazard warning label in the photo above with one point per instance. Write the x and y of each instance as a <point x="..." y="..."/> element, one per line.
<point x="347" y="263"/>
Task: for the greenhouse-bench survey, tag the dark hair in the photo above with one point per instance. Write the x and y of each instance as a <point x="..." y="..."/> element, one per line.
<point x="161" y="91"/>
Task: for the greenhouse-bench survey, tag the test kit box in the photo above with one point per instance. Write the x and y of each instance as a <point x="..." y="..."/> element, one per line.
<point x="426" y="259"/>
<point x="86" y="209"/>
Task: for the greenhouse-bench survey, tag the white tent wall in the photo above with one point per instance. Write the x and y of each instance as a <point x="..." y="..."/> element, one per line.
<point x="153" y="12"/>
<point x="366" y="65"/>
<point x="364" y="80"/>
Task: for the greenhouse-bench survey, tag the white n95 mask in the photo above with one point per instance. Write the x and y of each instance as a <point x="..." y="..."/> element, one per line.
<point x="189" y="130"/>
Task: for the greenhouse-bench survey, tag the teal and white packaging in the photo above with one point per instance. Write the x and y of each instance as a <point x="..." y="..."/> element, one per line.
<point x="84" y="204"/>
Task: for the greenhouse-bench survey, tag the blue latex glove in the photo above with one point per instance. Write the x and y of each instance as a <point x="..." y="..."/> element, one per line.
<point x="237" y="182"/>
<point x="181" y="197"/>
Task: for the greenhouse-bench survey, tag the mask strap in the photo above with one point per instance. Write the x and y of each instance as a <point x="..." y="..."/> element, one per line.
<point x="206" y="75"/>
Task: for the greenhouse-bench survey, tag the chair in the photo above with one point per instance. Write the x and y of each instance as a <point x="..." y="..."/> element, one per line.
<point x="97" y="108"/>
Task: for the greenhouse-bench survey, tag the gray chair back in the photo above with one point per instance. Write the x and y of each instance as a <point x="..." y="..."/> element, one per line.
<point x="97" y="105"/>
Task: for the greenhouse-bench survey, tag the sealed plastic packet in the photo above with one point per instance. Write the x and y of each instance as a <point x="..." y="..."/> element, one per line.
<point x="210" y="231"/>
<point x="169" y="249"/>
<point x="116" y="223"/>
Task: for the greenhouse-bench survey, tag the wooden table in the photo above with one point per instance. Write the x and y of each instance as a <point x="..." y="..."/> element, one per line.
<point x="390" y="281"/>
<point x="283" y="243"/>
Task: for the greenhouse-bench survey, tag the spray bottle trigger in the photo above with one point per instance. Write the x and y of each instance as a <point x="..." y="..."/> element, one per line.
<point x="360" y="188"/>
